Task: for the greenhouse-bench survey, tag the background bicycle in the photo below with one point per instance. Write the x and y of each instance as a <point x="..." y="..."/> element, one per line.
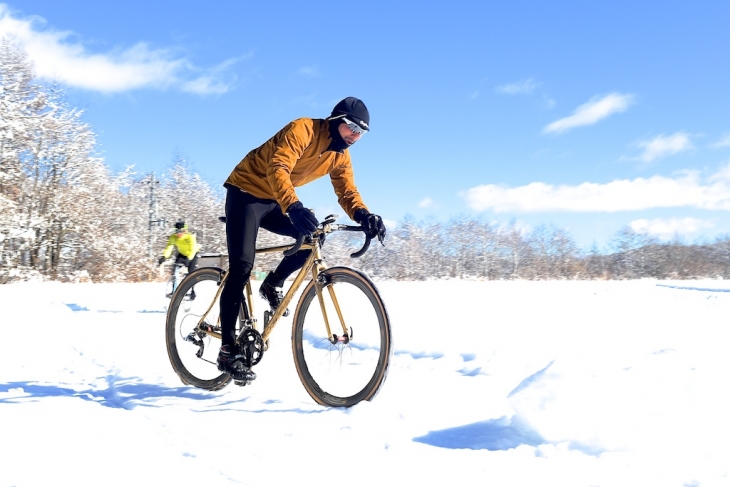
<point x="177" y="274"/>
<point x="180" y="270"/>
<point x="341" y="336"/>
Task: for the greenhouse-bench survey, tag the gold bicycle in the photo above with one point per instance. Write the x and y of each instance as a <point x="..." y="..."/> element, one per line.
<point x="341" y="336"/>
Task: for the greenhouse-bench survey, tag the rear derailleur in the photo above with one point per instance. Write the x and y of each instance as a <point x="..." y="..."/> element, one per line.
<point x="196" y="337"/>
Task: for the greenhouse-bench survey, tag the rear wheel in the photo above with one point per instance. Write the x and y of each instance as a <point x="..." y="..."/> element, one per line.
<point x="350" y="365"/>
<point x="192" y="352"/>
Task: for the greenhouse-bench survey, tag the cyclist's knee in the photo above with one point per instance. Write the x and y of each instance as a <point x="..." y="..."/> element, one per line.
<point x="240" y="271"/>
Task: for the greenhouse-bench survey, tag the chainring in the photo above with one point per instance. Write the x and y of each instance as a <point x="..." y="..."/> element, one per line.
<point x="251" y="346"/>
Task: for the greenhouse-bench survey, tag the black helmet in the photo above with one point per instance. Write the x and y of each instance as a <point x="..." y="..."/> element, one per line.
<point x="180" y="225"/>
<point x="354" y="110"/>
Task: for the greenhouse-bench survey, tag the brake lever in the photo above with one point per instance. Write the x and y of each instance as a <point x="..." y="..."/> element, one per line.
<point x="363" y="249"/>
<point x="297" y="245"/>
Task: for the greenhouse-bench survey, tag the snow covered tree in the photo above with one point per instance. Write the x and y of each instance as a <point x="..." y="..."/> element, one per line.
<point x="19" y="101"/>
<point x="49" y="176"/>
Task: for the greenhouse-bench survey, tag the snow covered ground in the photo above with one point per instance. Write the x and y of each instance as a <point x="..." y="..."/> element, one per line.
<point x="492" y="384"/>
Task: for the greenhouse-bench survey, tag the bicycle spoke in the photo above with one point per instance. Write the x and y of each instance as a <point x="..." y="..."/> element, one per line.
<point x="193" y="353"/>
<point x="345" y="371"/>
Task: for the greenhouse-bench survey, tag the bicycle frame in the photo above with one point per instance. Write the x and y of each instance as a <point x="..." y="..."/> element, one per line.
<point x="313" y="266"/>
<point x="340" y="373"/>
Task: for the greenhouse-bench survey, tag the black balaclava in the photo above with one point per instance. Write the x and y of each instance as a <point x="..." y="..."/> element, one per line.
<point x="356" y="111"/>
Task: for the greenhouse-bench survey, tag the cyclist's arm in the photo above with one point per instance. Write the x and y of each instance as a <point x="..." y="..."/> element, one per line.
<point x="343" y="180"/>
<point x="291" y="143"/>
<point x="170" y="245"/>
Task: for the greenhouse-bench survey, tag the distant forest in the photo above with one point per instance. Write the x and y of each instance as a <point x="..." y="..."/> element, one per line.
<point x="65" y="216"/>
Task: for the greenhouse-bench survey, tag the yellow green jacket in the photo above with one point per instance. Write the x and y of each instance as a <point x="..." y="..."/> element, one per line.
<point x="187" y="245"/>
<point x="293" y="157"/>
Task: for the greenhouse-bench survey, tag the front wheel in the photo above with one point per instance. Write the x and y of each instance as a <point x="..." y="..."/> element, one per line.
<point x="192" y="352"/>
<point x="347" y="365"/>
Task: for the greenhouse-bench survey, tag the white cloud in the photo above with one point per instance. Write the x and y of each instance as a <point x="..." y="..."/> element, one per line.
<point x="722" y="174"/>
<point x="723" y="142"/>
<point x="520" y="88"/>
<point x="309" y="71"/>
<point x="668" y="228"/>
<point x="685" y="190"/>
<point x="591" y="112"/>
<point x="216" y="80"/>
<point x="55" y="56"/>
<point x="662" y="146"/>
<point x="426" y="203"/>
<point x="205" y="85"/>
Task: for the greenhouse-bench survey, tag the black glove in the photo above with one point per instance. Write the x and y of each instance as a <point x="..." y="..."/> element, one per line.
<point x="160" y="261"/>
<point x="302" y="218"/>
<point x="372" y="224"/>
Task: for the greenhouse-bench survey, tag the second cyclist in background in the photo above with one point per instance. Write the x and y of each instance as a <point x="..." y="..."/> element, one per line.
<point x="187" y="249"/>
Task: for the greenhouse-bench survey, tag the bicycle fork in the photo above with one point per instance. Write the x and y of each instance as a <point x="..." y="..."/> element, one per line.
<point x="320" y="281"/>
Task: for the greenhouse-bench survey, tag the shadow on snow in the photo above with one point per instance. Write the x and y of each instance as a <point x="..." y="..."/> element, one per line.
<point x="122" y="393"/>
<point x="77" y="307"/>
<point x="499" y="434"/>
<point x="494" y="434"/>
<point x="690" y="288"/>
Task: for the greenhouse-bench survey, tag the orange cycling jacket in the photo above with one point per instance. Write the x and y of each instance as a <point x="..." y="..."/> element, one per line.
<point x="293" y="157"/>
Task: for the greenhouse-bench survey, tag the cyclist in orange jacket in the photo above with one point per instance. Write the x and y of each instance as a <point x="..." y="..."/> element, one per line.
<point x="260" y="194"/>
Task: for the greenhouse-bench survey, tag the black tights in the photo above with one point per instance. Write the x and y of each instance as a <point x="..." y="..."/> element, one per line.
<point x="189" y="263"/>
<point x="245" y="214"/>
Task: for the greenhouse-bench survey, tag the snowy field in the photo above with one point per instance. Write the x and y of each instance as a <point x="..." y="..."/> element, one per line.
<point x="492" y="384"/>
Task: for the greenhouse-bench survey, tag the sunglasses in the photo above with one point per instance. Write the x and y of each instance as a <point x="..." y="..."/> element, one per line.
<point x="353" y="126"/>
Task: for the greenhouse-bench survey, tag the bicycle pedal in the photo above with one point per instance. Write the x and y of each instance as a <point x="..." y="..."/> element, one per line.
<point x="242" y="383"/>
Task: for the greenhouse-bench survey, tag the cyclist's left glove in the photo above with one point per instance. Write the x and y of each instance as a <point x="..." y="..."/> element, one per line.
<point x="302" y="218"/>
<point x="160" y="261"/>
<point x="372" y="224"/>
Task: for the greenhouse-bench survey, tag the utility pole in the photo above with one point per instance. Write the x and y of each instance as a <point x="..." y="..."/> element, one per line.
<point x="152" y="220"/>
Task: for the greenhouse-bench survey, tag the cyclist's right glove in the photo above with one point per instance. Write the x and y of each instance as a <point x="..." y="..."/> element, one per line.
<point x="372" y="224"/>
<point x="302" y="218"/>
<point x="160" y="261"/>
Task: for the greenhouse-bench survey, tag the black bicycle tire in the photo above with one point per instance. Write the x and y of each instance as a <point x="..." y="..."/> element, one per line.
<point x="188" y="378"/>
<point x="357" y="278"/>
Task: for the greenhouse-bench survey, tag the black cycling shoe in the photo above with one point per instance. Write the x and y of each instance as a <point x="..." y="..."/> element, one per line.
<point x="272" y="293"/>
<point x="231" y="362"/>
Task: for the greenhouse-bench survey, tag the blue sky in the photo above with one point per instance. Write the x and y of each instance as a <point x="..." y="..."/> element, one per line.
<point x="586" y="115"/>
